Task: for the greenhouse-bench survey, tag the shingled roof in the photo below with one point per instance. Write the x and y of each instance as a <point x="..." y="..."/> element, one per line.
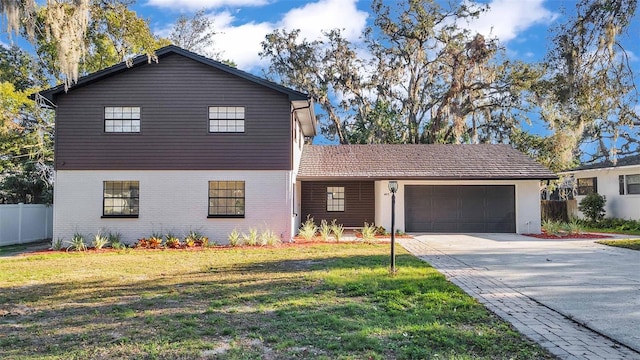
<point x="625" y="161"/>
<point x="427" y="162"/>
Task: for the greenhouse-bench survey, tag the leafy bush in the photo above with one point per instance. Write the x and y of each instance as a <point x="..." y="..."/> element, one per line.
<point x="57" y="244"/>
<point x="269" y="238"/>
<point x="251" y="238"/>
<point x="195" y="238"/>
<point x="99" y="241"/>
<point x="551" y="227"/>
<point x="154" y="241"/>
<point x="592" y="206"/>
<point x="234" y="238"/>
<point x="380" y="230"/>
<point x="77" y="243"/>
<point x="574" y="227"/>
<point x="325" y="230"/>
<point x="115" y="240"/>
<point x="308" y="229"/>
<point x="368" y="232"/>
<point x="613" y="224"/>
<point x="172" y="241"/>
<point x="337" y="230"/>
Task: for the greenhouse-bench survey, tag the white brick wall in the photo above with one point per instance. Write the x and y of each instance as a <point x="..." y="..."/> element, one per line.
<point x="174" y="201"/>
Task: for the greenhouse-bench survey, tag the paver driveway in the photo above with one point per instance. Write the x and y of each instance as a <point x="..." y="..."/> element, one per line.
<point x="533" y="283"/>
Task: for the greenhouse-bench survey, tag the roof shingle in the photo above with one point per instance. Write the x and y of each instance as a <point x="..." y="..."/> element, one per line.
<point x="433" y="161"/>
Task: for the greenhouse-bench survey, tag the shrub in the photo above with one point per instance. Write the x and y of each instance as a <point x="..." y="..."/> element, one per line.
<point x="380" y="230"/>
<point x="99" y="241"/>
<point x="368" y="232"/>
<point x="234" y="238"/>
<point x="77" y="243"/>
<point x="551" y="227"/>
<point x="115" y="240"/>
<point x="574" y="227"/>
<point x="592" y="206"/>
<point x="325" y="230"/>
<point x="195" y="238"/>
<point x="154" y="241"/>
<point x="251" y="238"/>
<point x="337" y="229"/>
<point x="57" y="244"/>
<point x="269" y="238"/>
<point x="308" y="229"/>
<point x="172" y="241"/>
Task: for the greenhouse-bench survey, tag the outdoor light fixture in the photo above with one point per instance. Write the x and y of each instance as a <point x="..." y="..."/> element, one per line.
<point x="393" y="188"/>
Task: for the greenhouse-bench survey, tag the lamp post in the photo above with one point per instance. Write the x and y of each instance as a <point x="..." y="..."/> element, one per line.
<point x="393" y="187"/>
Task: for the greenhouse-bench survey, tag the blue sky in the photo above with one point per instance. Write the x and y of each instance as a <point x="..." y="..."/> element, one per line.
<point x="521" y="25"/>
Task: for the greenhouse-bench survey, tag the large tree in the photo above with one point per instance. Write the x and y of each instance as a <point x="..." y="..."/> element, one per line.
<point x="588" y="96"/>
<point x="420" y="79"/>
<point x="66" y="32"/>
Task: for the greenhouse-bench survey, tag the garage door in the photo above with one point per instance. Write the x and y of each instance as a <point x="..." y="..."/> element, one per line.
<point x="467" y="208"/>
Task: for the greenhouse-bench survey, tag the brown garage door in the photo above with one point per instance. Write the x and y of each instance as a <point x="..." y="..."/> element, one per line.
<point x="465" y="208"/>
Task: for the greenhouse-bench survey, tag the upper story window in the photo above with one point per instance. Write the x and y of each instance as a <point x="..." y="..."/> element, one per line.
<point x="122" y="119"/>
<point x="226" y="119"/>
<point x="587" y="186"/>
<point x="629" y="184"/>
<point x="121" y="199"/>
<point x="335" y="198"/>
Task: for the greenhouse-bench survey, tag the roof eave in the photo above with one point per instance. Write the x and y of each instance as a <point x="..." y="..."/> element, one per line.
<point x="430" y="178"/>
<point x="623" y="167"/>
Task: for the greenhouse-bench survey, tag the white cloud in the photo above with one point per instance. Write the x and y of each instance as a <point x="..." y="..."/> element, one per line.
<point x="506" y="19"/>
<point x="241" y="42"/>
<point x="326" y="15"/>
<point x="204" y="4"/>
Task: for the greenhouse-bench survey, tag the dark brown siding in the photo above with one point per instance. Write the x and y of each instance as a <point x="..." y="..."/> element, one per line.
<point x="359" y="202"/>
<point x="174" y="96"/>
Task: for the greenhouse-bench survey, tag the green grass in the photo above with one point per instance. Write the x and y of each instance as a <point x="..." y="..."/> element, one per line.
<point x="611" y="231"/>
<point x="633" y="244"/>
<point x="313" y="302"/>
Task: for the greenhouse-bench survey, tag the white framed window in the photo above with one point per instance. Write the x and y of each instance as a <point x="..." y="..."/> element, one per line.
<point x="122" y="119"/>
<point x="226" y="119"/>
<point x="335" y="198"/>
<point x="630" y="184"/>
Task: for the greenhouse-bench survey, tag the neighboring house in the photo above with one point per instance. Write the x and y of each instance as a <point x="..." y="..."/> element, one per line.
<point x="189" y="143"/>
<point x="442" y="188"/>
<point x="620" y="183"/>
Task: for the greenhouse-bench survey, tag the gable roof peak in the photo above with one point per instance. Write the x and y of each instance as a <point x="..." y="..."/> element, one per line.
<point x="51" y="93"/>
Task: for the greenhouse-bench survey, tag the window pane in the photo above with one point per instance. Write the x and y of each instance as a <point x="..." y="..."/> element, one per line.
<point x="633" y="179"/>
<point x="122" y="119"/>
<point x="226" y="119"/>
<point x="120" y="198"/>
<point x="226" y="198"/>
<point x="335" y="198"/>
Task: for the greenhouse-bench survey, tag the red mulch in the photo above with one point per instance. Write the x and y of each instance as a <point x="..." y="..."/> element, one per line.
<point x="544" y="235"/>
<point x="298" y="242"/>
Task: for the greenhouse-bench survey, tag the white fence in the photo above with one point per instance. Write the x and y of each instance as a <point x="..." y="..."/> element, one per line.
<point x="23" y="223"/>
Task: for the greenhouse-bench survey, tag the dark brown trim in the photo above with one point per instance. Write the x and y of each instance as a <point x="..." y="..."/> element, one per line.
<point x="119" y="216"/>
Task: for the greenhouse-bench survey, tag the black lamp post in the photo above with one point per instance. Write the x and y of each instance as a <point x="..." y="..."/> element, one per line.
<point x="393" y="187"/>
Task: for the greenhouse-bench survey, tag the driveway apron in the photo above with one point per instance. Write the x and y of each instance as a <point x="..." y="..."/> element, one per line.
<point x="578" y="299"/>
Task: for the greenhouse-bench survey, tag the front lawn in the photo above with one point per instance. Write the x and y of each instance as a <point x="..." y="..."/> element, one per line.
<point x="633" y="244"/>
<point x="320" y="301"/>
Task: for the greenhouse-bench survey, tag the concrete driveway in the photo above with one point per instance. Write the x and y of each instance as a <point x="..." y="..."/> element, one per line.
<point x="594" y="285"/>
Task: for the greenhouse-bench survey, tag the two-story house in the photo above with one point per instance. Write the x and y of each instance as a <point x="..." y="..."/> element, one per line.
<point x="189" y="143"/>
<point x="185" y="143"/>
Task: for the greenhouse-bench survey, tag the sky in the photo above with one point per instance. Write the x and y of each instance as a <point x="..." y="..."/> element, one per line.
<point x="522" y="26"/>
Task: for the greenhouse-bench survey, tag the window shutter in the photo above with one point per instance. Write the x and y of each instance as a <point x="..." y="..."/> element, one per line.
<point x="621" y="184"/>
<point x="595" y="184"/>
